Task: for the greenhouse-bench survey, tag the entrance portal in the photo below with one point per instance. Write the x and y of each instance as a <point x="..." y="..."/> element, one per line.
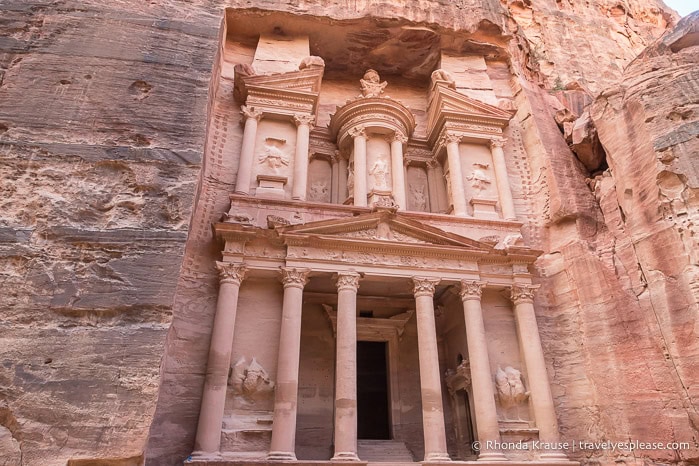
<point x="372" y="391"/>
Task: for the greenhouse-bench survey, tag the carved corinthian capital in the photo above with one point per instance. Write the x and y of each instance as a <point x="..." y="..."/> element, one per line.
<point x="296" y="277"/>
<point x="398" y="136"/>
<point x="424" y="286"/>
<point x="523" y="293"/>
<point x="471" y="289"/>
<point x="498" y="142"/>
<point x="347" y="281"/>
<point x="304" y="119"/>
<point x="250" y="112"/>
<point x="450" y="138"/>
<point x="357" y="131"/>
<point x="231" y="273"/>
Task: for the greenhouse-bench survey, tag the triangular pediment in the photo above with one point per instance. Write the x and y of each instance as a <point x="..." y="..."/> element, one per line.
<point x="302" y="81"/>
<point x="379" y="228"/>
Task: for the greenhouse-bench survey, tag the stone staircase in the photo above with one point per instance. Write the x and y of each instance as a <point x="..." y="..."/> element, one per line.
<point x="386" y="452"/>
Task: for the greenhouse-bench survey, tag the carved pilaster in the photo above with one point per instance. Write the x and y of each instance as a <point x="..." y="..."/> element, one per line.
<point x="424" y="286"/>
<point x="347" y="281"/>
<point x="250" y="112"/>
<point x="304" y="119"/>
<point x="471" y="289"/>
<point x="522" y="293"/>
<point x="294" y="277"/>
<point x="231" y="273"/>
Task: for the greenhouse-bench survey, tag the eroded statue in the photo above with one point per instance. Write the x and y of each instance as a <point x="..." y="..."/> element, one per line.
<point x="372" y="85"/>
<point x="510" y="388"/>
<point x="250" y="379"/>
<point x="380" y="173"/>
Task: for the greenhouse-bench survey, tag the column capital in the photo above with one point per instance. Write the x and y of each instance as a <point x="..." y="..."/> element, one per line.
<point x="498" y="142"/>
<point x="229" y="272"/>
<point x="471" y="289"/>
<point x="424" y="286"/>
<point x="335" y="157"/>
<point x="357" y="131"/>
<point x="523" y="293"/>
<point x="432" y="164"/>
<point x="250" y="112"/>
<point x="450" y="137"/>
<point x="304" y="119"/>
<point x="397" y="136"/>
<point x="347" y="281"/>
<point x="294" y="277"/>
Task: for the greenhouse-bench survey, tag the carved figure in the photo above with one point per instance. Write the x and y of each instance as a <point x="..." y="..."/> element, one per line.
<point x="312" y="62"/>
<point x="372" y="85"/>
<point x="478" y="178"/>
<point x="380" y="172"/>
<point x="443" y="75"/>
<point x="509" y="241"/>
<point x="419" y="200"/>
<point x="318" y="191"/>
<point x="250" y="379"/>
<point x="511" y="391"/>
<point x="273" y="156"/>
<point x="350" y="180"/>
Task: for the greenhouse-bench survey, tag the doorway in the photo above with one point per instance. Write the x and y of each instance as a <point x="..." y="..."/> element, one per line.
<point x="373" y="418"/>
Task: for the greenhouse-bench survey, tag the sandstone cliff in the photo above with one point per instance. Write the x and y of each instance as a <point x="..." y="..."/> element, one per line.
<point x="103" y="120"/>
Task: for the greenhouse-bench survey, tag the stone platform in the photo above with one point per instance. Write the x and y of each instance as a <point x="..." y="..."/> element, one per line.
<point x="243" y="462"/>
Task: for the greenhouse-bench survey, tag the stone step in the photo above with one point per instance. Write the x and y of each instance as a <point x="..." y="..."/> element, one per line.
<point x="384" y="452"/>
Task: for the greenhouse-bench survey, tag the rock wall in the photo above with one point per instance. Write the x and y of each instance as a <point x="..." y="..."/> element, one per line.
<point x="105" y="156"/>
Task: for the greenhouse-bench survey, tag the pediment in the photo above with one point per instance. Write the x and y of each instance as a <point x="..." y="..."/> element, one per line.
<point x="305" y="81"/>
<point x="379" y="228"/>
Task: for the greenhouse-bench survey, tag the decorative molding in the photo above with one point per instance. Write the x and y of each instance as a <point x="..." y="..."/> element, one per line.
<point x="424" y="286"/>
<point x="521" y="293"/>
<point x="347" y="281"/>
<point x="294" y="277"/>
<point x="229" y="272"/>
<point x="471" y="289"/>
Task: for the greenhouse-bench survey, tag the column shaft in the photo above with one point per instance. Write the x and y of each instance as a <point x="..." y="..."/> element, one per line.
<point x="397" y="170"/>
<point x="481" y="378"/>
<point x="504" y="191"/>
<point x="539" y="387"/>
<point x="335" y="191"/>
<point x="286" y="394"/>
<point x="346" y="368"/>
<point x="432" y="181"/>
<point x="298" y="191"/>
<point x="430" y="380"/>
<point x="208" y="439"/>
<point x="342" y="184"/>
<point x="247" y="151"/>
<point x="458" y="195"/>
<point x="360" y="185"/>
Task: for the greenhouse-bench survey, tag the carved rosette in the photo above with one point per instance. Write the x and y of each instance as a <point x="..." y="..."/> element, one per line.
<point x="450" y="138"/>
<point x="347" y="281"/>
<point x="357" y="131"/>
<point x="304" y="119"/>
<point x="424" y="286"/>
<point x="229" y="272"/>
<point x="250" y="112"/>
<point x="523" y="293"/>
<point x="296" y="277"/>
<point x="471" y="289"/>
<point x="498" y="142"/>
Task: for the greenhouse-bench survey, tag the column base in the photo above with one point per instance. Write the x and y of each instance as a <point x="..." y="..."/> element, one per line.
<point x="205" y="455"/>
<point x="281" y="456"/>
<point x="345" y="456"/>
<point x="436" y="457"/>
<point x="553" y="456"/>
<point x="492" y="456"/>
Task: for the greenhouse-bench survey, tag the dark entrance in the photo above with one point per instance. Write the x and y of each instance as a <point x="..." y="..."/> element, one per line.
<point x="372" y="391"/>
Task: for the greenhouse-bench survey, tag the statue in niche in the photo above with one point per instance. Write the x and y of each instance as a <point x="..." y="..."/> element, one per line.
<point x="273" y="155"/>
<point x="318" y="191"/>
<point x="479" y="178"/>
<point x="511" y="391"/>
<point x="350" y="180"/>
<point x="250" y="379"/>
<point x="380" y="173"/>
<point x="372" y="85"/>
<point x="419" y="199"/>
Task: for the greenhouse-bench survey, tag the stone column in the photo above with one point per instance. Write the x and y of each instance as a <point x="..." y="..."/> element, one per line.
<point x="247" y="152"/>
<point x="303" y="131"/>
<point x="208" y="439"/>
<point x="539" y="388"/>
<point x="481" y="377"/>
<point x="504" y="192"/>
<point x="430" y="380"/>
<point x="342" y="185"/>
<point x="286" y="393"/>
<point x="397" y="169"/>
<point x="360" y="186"/>
<point x="346" y="368"/>
<point x="432" y="181"/>
<point x="335" y="183"/>
<point x="458" y="195"/>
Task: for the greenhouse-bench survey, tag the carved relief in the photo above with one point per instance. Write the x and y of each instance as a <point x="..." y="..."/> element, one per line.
<point x="319" y="191"/>
<point x="419" y="199"/>
<point x="371" y="84"/>
<point x="441" y="75"/>
<point x="350" y="179"/>
<point x="250" y="380"/>
<point x="459" y="379"/>
<point x="479" y="179"/>
<point x="511" y="391"/>
<point x="273" y="156"/>
<point x="380" y="173"/>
